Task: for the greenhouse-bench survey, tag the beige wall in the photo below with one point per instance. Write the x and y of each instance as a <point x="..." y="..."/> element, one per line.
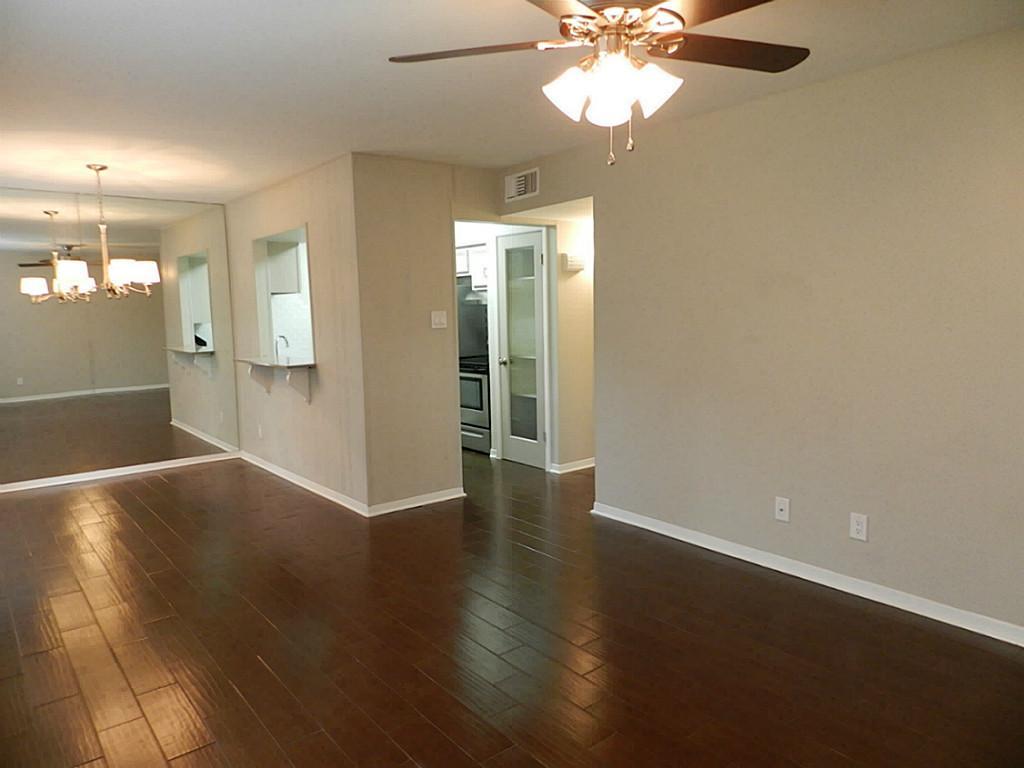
<point x="406" y="252"/>
<point x="382" y="425"/>
<point x="58" y="348"/>
<point x="323" y="440"/>
<point x="475" y="194"/>
<point x="819" y="295"/>
<point x="202" y="387"/>
<point x="573" y="309"/>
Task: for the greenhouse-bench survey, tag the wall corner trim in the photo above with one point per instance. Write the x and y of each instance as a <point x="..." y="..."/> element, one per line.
<point x="572" y="466"/>
<point x="106" y="474"/>
<point x="435" y="497"/>
<point x="348" y="502"/>
<point x="83" y="393"/>
<point x="974" y="622"/>
<point x="204" y="436"/>
<point x="313" y="487"/>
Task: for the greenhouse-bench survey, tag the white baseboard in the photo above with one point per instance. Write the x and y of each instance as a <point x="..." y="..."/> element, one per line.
<point x="572" y="466"/>
<point x="975" y="622"/>
<point x="203" y="436"/>
<point x="309" y="485"/>
<point x="416" y="501"/>
<point x="106" y="474"/>
<point x="83" y="393"/>
<point x="347" y="501"/>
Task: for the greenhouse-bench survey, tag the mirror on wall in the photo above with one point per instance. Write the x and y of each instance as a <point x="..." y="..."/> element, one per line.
<point x="283" y="301"/>
<point x="96" y="379"/>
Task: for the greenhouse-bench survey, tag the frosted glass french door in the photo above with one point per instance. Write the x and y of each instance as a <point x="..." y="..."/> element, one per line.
<point x="521" y="347"/>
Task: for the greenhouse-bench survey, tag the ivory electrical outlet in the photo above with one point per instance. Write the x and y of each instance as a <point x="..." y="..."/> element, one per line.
<point x="21" y="381"/>
<point x="439" y="319"/>
<point x="858" y="526"/>
<point x="782" y="509"/>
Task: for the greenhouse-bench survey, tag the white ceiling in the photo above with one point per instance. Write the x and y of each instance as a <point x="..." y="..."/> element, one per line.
<point x="209" y="99"/>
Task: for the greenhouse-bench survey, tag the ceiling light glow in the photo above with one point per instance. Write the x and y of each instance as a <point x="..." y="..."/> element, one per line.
<point x="612" y="83"/>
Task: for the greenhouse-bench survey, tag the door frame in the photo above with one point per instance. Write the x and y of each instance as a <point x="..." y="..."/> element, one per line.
<point x="550" y="238"/>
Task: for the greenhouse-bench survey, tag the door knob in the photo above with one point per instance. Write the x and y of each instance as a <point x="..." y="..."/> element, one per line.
<point x="502" y="361"/>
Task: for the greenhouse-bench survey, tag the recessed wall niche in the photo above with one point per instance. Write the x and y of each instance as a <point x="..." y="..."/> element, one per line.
<point x="283" y="298"/>
<point x="196" y="309"/>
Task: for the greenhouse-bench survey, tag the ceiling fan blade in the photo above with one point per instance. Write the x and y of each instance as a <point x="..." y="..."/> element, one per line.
<point x="729" y="52"/>
<point x="560" y="8"/>
<point x="696" y="12"/>
<point x="37" y="264"/>
<point x="533" y="45"/>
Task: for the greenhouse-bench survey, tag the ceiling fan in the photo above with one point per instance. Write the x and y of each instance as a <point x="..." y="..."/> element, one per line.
<point x="64" y="252"/>
<point x="612" y="79"/>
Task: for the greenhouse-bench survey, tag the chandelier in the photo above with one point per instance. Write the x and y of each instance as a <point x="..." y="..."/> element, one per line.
<point x="71" y="281"/>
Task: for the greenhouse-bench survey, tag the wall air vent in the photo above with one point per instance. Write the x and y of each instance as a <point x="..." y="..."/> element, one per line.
<point x="521" y="185"/>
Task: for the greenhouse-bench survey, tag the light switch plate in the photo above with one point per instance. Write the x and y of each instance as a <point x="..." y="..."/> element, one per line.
<point x="439" y="319"/>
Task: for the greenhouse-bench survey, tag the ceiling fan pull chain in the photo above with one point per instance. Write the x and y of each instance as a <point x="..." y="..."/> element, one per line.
<point x="630" y="144"/>
<point x="611" y="145"/>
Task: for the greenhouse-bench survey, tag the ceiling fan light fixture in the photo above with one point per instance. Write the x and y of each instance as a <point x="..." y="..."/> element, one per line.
<point x="33" y="286"/>
<point x="608" y="111"/>
<point x="655" y="86"/>
<point x="569" y="92"/>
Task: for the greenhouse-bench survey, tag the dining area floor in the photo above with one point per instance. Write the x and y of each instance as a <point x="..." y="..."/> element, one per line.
<point x="217" y="615"/>
<point x="86" y="433"/>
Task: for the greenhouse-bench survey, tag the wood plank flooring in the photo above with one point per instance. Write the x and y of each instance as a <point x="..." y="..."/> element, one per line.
<point x="218" y="616"/>
<point x="48" y="438"/>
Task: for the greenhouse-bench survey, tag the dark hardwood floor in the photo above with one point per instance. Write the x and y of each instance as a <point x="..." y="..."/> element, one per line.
<point x="216" y="615"/>
<point x="48" y="438"/>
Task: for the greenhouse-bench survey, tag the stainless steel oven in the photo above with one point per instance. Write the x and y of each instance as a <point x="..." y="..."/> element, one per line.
<point x="475" y="408"/>
<point x="475" y="399"/>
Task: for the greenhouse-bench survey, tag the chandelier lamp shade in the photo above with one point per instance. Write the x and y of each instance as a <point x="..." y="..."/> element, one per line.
<point x="71" y="281"/>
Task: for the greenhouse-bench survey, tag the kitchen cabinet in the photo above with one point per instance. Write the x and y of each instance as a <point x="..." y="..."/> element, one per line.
<point x="479" y="266"/>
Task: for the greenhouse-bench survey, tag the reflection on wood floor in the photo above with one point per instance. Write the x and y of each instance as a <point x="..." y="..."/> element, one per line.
<point x="217" y="615"/>
<point x="48" y="438"/>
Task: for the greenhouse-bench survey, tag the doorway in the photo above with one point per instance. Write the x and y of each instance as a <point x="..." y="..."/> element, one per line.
<point x="530" y="279"/>
<point x="502" y="340"/>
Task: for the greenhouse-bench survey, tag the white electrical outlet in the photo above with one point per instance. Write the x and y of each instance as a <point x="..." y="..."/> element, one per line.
<point x="21" y="381"/>
<point x="782" y="509"/>
<point x="858" y="526"/>
<point x="439" y="319"/>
